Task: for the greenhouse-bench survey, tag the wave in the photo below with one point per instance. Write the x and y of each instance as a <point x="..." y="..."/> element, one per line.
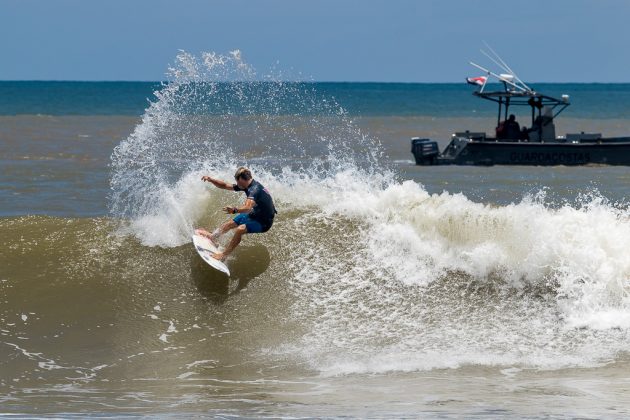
<point x="416" y="281"/>
<point x="389" y="277"/>
<point x="383" y="275"/>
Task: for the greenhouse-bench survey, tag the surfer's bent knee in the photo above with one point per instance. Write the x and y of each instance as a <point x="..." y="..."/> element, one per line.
<point x="249" y="225"/>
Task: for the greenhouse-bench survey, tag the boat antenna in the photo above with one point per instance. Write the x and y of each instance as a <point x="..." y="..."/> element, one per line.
<point x="498" y="77"/>
<point x="505" y="69"/>
<point x="501" y="63"/>
<point x="496" y="60"/>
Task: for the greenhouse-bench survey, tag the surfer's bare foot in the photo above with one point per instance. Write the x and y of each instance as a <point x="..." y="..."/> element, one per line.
<point x="219" y="256"/>
<point x="205" y="234"/>
<point x="202" y="232"/>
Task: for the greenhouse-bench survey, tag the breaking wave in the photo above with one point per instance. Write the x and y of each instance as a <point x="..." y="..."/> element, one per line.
<point x="384" y="276"/>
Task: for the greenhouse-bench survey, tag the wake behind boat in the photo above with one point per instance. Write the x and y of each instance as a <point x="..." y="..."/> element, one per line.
<point x="511" y="145"/>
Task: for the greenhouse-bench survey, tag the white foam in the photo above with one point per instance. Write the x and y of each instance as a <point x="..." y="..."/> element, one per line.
<point x="574" y="258"/>
<point x="171" y="221"/>
<point x="186" y="375"/>
<point x="395" y="239"/>
<point x="171" y="327"/>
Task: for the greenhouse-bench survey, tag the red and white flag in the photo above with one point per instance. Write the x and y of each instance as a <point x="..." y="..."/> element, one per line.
<point x="480" y="81"/>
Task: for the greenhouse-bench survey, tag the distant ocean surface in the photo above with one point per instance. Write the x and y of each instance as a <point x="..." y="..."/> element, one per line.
<point x="593" y="100"/>
<point x="383" y="289"/>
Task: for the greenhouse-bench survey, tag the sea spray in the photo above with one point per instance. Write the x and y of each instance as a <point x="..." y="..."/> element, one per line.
<point x="214" y="114"/>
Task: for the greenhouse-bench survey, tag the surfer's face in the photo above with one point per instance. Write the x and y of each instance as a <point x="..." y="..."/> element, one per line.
<point x="242" y="183"/>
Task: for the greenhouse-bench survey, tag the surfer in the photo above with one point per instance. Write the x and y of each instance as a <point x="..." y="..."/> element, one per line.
<point x="254" y="216"/>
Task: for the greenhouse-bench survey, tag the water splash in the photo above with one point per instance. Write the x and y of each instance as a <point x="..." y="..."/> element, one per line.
<point x="214" y="114"/>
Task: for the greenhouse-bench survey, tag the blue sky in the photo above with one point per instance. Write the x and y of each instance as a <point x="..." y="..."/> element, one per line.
<point x="325" y="40"/>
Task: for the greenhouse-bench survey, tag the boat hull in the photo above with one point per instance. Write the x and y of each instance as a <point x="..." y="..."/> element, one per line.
<point x="537" y="154"/>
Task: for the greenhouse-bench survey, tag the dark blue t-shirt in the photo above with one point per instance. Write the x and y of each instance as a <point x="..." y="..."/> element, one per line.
<point x="264" y="210"/>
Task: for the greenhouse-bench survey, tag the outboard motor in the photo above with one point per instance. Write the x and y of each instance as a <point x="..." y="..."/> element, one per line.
<point x="424" y="150"/>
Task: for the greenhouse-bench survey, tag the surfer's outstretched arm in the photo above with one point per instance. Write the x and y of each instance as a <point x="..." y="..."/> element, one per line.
<point x="218" y="183"/>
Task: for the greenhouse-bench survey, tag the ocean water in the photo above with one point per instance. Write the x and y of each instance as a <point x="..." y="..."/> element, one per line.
<point x="383" y="289"/>
<point x="589" y="100"/>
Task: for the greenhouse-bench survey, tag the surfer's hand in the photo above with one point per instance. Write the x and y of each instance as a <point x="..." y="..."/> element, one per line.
<point x="217" y="183"/>
<point x="228" y="210"/>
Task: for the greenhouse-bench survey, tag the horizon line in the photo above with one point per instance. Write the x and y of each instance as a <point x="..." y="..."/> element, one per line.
<point x="289" y="81"/>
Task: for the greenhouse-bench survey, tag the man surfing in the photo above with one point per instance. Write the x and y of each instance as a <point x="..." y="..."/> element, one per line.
<point x="254" y="216"/>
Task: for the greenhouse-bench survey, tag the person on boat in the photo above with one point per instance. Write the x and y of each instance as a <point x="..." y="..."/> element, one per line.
<point x="524" y="134"/>
<point x="511" y="129"/>
<point x="254" y="216"/>
<point x="500" y="130"/>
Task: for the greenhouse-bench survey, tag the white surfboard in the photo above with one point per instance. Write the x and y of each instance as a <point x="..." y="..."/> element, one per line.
<point x="206" y="249"/>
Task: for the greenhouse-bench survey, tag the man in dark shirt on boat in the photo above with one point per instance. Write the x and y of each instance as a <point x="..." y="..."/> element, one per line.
<point x="254" y="216"/>
<point x="511" y="129"/>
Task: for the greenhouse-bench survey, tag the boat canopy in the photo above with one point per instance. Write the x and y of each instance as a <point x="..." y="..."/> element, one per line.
<point x="515" y="91"/>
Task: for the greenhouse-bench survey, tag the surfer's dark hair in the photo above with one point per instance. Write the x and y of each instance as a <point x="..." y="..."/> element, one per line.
<point x="243" y="173"/>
